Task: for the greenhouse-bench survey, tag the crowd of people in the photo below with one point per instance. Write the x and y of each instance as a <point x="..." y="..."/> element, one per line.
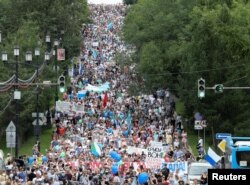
<point x="106" y="141"/>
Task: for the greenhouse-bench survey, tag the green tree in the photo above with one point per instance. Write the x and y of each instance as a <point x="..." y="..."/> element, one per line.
<point x="178" y="42"/>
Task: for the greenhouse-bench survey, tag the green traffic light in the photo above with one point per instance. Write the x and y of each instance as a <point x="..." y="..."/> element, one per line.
<point x="62" y="89"/>
<point x="201" y="88"/>
<point x="201" y="94"/>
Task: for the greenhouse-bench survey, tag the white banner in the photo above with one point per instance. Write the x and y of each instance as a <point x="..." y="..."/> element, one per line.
<point x="155" y="144"/>
<point x="155" y="157"/>
<point x="63" y="106"/>
<point x="67" y="107"/>
<point x="131" y="150"/>
<point x="78" y="108"/>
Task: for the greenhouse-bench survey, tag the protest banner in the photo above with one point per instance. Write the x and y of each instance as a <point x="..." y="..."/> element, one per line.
<point x="131" y="150"/>
<point x="78" y="108"/>
<point x="155" y="155"/>
<point x="94" y="165"/>
<point x="63" y="106"/>
<point x="182" y="166"/>
<point x="155" y="144"/>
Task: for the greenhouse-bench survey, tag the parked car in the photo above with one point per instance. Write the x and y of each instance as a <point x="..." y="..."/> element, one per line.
<point x="196" y="169"/>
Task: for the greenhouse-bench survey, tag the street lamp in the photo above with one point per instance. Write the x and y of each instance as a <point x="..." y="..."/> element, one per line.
<point x="17" y="96"/>
<point x="16" y="51"/>
<point x="4" y="56"/>
<point x="38" y="129"/>
<point x="28" y="56"/>
<point x="37" y="52"/>
<point x="47" y="38"/>
<point x="46" y="57"/>
<point x="56" y="43"/>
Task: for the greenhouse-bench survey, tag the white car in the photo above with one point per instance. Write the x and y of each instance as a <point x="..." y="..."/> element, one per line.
<point x="196" y="169"/>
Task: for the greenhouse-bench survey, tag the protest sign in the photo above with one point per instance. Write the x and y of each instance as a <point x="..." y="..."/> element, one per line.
<point x="95" y="44"/>
<point x="155" y="155"/>
<point x="63" y="106"/>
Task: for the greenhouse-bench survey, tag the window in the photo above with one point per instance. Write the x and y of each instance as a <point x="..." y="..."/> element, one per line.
<point x="243" y="158"/>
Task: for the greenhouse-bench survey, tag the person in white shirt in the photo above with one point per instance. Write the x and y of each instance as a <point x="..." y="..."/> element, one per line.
<point x="200" y="142"/>
<point x="38" y="179"/>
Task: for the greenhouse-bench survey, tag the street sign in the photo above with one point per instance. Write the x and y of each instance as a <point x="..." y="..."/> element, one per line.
<point x="40" y="115"/>
<point x="197" y="125"/>
<point x="222" y="145"/>
<point x="11" y="127"/>
<point x="39" y="122"/>
<point x="222" y="135"/>
<point x="204" y="123"/>
<point x="11" y="135"/>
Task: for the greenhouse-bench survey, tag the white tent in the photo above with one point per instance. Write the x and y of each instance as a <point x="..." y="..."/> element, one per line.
<point x="105" y="1"/>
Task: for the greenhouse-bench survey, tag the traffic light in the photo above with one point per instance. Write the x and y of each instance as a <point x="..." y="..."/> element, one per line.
<point x="218" y="88"/>
<point x="61" y="83"/>
<point x="201" y="88"/>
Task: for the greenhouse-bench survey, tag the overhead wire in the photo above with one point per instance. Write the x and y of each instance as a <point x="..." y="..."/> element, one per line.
<point x="5" y="86"/>
<point x="237" y="79"/>
<point x="8" y="104"/>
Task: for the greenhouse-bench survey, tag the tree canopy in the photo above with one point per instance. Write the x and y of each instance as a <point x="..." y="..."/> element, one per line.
<point x="26" y="23"/>
<point x="178" y="42"/>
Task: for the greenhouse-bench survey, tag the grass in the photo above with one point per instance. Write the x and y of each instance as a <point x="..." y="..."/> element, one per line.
<point x="192" y="136"/>
<point x="26" y="148"/>
<point x="180" y="108"/>
<point x="193" y="141"/>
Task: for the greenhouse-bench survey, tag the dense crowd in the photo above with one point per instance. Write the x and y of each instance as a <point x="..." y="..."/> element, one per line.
<point x="107" y="142"/>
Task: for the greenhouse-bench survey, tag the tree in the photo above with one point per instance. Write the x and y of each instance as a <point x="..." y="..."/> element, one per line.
<point x="178" y="42"/>
<point x="26" y="22"/>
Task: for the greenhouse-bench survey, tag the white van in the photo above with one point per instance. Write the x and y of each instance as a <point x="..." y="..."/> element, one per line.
<point x="1" y="160"/>
<point x="196" y="169"/>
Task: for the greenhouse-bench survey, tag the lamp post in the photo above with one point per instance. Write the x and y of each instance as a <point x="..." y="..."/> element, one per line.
<point x="17" y="94"/>
<point x="47" y="40"/>
<point x="56" y="43"/>
<point x="16" y="97"/>
<point x="38" y="127"/>
<point x="61" y="38"/>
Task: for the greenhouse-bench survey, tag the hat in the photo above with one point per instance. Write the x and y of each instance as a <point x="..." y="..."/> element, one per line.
<point x="8" y="154"/>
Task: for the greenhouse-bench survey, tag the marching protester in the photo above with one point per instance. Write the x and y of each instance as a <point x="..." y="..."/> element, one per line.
<point x="102" y="135"/>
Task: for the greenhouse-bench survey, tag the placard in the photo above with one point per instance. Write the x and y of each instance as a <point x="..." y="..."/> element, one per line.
<point x="154" y="157"/>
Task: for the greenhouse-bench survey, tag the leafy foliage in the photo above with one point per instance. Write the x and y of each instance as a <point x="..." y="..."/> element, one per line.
<point x="25" y="23"/>
<point x="178" y="42"/>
